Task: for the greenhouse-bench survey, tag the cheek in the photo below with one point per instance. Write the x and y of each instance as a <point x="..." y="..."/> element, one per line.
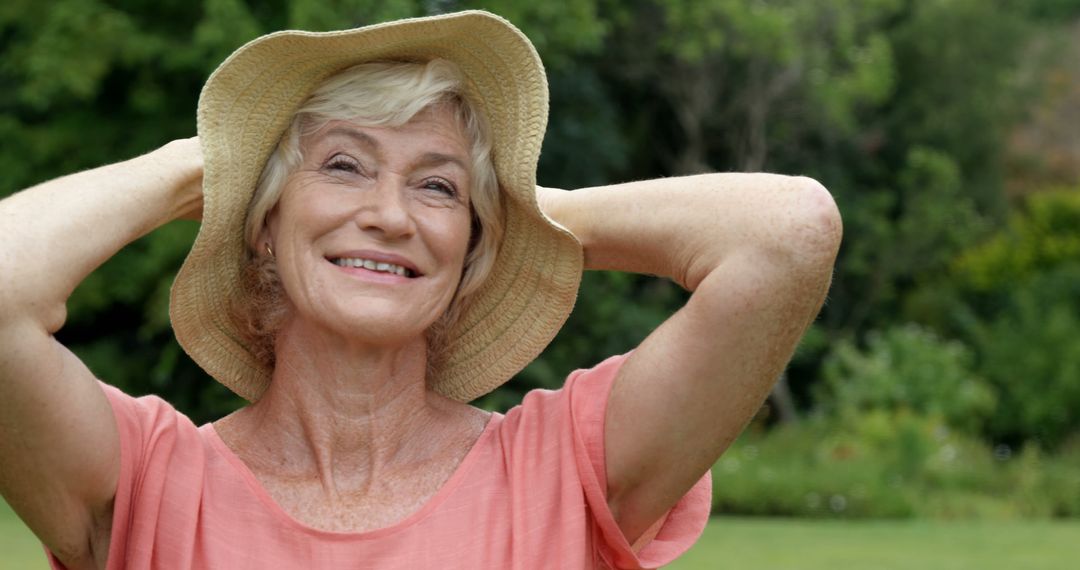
<point x="290" y="228"/>
<point x="305" y="219"/>
<point x="457" y="238"/>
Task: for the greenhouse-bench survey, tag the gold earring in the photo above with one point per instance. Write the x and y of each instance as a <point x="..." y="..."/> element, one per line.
<point x="269" y="250"/>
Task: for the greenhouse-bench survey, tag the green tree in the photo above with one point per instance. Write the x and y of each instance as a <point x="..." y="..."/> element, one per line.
<point x="1041" y="236"/>
<point x="1030" y="352"/>
<point x="1021" y="290"/>
<point x="1014" y="298"/>
<point x="730" y="84"/>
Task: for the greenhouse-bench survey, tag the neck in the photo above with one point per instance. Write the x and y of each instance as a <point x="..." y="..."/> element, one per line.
<point x="343" y="410"/>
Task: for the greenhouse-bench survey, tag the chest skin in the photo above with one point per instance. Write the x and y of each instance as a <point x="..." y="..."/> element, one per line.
<point x="384" y="499"/>
<point x="362" y="500"/>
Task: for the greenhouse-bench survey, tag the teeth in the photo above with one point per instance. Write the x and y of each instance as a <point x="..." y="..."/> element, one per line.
<point x="372" y="265"/>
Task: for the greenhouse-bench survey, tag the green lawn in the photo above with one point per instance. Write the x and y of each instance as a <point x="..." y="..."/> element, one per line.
<point x="779" y="544"/>
<point x="799" y="545"/>
<point x="18" y="548"/>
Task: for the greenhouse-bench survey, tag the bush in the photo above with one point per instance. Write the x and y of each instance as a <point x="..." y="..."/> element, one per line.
<point x="1062" y="480"/>
<point x="1015" y="300"/>
<point x="1042" y="236"/>
<point x="804" y="471"/>
<point x="907" y="368"/>
<point x="1030" y="353"/>
<point x="888" y="464"/>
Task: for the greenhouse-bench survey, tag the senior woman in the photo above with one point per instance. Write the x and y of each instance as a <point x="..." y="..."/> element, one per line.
<point x="373" y="255"/>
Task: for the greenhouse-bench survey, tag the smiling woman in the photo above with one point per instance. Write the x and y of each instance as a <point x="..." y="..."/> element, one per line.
<point x="373" y="254"/>
<point x="374" y="196"/>
<point x="380" y="96"/>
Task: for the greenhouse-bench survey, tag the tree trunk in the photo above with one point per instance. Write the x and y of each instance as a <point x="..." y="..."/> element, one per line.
<point x="782" y="402"/>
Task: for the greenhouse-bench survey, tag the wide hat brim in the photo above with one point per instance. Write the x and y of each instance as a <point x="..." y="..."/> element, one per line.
<point x="248" y="103"/>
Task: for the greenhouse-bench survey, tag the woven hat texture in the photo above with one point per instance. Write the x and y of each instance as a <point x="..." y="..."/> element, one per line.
<point x="247" y="104"/>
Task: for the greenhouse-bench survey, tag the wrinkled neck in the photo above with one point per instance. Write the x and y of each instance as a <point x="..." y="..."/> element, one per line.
<point x="344" y="410"/>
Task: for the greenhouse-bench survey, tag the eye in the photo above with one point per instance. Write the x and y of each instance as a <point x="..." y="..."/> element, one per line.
<point x="343" y="163"/>
<point x="440" y="185"/>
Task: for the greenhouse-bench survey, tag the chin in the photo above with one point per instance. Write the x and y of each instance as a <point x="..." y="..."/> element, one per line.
<point x="368" y="320"/>
<point x="381" y="328"/>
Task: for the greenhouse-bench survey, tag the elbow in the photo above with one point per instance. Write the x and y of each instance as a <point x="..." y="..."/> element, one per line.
<point x="18" y="306"/>
<point x="812" y="234"/>
<point x="786" y="226"/>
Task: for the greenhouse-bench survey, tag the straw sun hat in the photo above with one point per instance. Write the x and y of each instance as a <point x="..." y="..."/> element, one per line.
<point x="248" y="103"/>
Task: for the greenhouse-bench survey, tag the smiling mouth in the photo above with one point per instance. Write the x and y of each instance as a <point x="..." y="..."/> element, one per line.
<point x="371" y="265"/>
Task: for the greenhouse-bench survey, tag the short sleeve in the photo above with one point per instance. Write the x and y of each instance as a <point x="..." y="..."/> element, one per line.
<point x="135" y="418"/>
<point x="588" y="392"/>
<point x="152" y="435"/>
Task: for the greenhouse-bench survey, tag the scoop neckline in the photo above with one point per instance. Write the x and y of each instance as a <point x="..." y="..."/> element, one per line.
<point x="279" y="513"/>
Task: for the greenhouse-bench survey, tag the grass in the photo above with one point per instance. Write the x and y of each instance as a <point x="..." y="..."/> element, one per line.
<point x="19" y="550"/>
<point x="802" y="544"/>
<point x="785" y="544"/>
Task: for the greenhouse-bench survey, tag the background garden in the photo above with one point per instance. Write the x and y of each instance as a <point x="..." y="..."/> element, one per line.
<point x="942" y="380"/>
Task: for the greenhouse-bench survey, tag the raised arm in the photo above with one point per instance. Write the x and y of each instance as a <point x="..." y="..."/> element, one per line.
<point x="59" y="448"/>
<point x="757" y="251"/>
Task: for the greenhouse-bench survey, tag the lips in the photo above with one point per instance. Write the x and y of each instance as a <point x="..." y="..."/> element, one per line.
<point x="376" y="261"/>
<point x="372" y="265"/>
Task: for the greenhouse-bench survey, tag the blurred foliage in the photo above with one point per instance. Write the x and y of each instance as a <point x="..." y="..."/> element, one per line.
<point x="907" y="368"/>
<point x="1041" y="236"/>
<point x="903" y="109"/>
<point x="1030" y="351"/>
<point x="891" y="464"/>
<point x="1014" y="298"/>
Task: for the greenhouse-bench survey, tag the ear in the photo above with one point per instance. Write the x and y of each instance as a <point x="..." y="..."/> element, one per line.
<point x="268" y="234"/>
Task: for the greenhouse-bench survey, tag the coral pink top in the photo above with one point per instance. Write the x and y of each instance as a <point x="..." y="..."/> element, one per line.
<point x="529" y="494"/>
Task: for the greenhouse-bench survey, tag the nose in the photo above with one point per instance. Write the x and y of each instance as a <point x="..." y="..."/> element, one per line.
<point x="385" y="210"/>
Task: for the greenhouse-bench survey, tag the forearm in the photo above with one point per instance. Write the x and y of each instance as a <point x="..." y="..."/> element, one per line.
<point x="684" y="228"/>
<point x="54" y="234"/>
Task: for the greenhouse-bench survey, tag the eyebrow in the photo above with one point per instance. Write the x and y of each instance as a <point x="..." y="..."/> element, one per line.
<point x="428" y="159"/>
<point x="362" y="138"/>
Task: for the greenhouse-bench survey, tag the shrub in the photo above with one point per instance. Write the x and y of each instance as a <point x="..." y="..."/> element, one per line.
<point x="889" y="464"/>
<point x="792" y="472"/>
<point x="907" y="368"/>
<point x="1043" y="235"/>
<point x="1020" y="294"/>
<point x="1030" y="353"/>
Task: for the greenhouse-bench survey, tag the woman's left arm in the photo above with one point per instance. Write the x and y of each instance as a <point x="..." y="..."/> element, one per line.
<point x="757" y="251"/>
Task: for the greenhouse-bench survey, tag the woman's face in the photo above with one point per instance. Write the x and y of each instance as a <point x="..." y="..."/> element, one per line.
<point x="371" y="231"/>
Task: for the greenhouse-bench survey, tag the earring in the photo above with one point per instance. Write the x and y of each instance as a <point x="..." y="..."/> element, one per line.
<point x="269" y="249"/>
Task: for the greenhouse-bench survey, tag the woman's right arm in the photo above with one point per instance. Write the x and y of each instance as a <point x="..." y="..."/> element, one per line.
<point x="59" y="447"/>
